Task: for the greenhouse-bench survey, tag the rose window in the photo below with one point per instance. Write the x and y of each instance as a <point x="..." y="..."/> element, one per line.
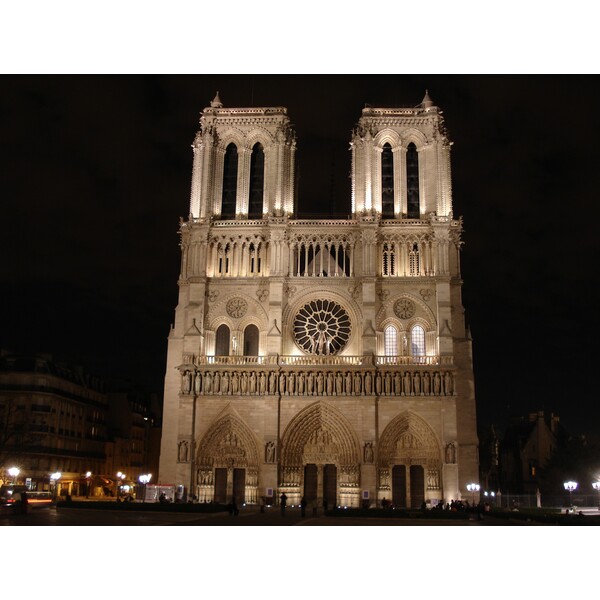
<point x="322" y="327"/>
<point x="236" y="308"/>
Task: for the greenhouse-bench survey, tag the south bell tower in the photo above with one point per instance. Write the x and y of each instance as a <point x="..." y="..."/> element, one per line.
<point x="321" y="358"/>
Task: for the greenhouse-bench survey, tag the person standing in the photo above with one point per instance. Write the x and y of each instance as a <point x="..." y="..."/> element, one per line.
<point x="283" y="502"/>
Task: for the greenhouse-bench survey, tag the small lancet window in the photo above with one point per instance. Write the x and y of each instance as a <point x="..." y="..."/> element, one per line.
<point x="412" y="182"/>
<point x="387" y="182"/>
<point x="230" y="169"/>
<point x="257" y="182"/>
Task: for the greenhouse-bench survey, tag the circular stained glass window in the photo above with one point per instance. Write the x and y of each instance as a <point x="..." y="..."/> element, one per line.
<point x="322" y="327"/>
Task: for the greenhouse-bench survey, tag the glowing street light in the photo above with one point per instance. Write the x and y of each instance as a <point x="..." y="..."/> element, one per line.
<point x="14" y="473"/>
<point x="473" y="487"/>
<point x="120" y="476"/>
<point x="596" y="486"/>
<point x="55" y="477"/>
<point x="570" y="486"/>
<point x="88" y="481"/>
<point x="145" y="480"/>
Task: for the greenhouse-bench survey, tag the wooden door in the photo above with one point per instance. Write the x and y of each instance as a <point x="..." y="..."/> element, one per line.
<point x="417" y="486"/>
<point x="310" y="483"/>
<point x="399" y="486"/>
<point x="221" y="486"/>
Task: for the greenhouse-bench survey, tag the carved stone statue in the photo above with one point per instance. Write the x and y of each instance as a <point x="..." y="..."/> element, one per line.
<point x="291" y="383"/>
<point x="320" y="383"/>
<point x="183" y="451"/>
<point x="244" y="383"/>
<point x="208" y="383"/>
<point x="187" y="382"/>
<point x="253" y="382"/>
<point x="436" y="384"/>
<point x="272" y="382"/>
<point x="310" y="383"/>
<point x="262" y="386"/>
<point x="282" y="383"/>
<point x="448" y="384"/>
<point x="416" y="381"/>
<point x="225" y="383"/>
<point x="426" y="384"/>
<point x="235" y="383"/>
<point x="198" y="383"/>
<point x="300" y="384"/>
<point x="329" y="384"/>
<point x="217" y="382"/>
<point x="270" y="452"/>
<point x="348" y="383"/>
<point x="368" y="452"/>
<point x="451" y="453"/>
<point x="397" y="384"/>
<point x="368" y="381"/>
<point x="339" y="384"/>
<point x="406" y="383"/>
<point x="357" y="383"/>
<point x="388" y="384"/>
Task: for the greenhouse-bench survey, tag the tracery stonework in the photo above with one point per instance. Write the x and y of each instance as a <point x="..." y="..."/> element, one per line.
<point x="237" y="307"/>
<point x="322" y="358"/>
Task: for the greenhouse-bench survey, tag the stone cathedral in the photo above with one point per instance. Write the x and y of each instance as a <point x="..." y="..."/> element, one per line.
<point x="320" y="358"/>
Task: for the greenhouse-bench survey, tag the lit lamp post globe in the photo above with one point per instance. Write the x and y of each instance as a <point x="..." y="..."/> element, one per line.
<point x="54" y="478"/>
<point x="596" y="486"/>
<point x="473" y="487"/>
<point x="145" y="480"/>
<point x="120" y="476"/>
<point x="14" y="473"/>
<point x="570" y="486"/>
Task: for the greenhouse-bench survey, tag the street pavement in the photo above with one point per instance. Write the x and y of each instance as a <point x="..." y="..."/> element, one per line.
<point x="248" y="516"/>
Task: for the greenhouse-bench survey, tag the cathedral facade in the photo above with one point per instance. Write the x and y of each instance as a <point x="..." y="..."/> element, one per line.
<point x="320" y="358"/>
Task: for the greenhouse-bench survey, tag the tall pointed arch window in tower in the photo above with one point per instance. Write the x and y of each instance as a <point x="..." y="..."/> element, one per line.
<point x="417" y="343"/>
<point x="230" y="169"/>
<point x="222" y="341"/>
<point x="257" y="182"/>
<point x="390" y="341"/>
<point x="412" y="182"/>
<point x="387" y="182"/>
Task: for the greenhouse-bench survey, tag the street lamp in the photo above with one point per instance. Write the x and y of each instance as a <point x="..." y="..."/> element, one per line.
<point x="473" y="487"/>
<point x="570" y="486"/>
<point x="596" y="486"/>
<point x="14" y="473"/>
<point x="145" y="480"/>
<point x="88" y="481"/>
<point x="55" y="477"/>
<point x="120" y="476"/>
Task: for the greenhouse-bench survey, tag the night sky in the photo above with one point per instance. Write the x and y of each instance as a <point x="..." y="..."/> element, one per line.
<point x="96" y="170"/>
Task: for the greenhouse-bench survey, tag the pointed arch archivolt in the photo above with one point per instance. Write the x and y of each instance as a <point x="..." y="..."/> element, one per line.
<point x="229" y="442"/>
<point x="409" y="439"/>
<point x="319" y="434"/>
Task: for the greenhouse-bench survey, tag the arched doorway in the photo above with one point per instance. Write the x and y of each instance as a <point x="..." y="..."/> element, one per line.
<point x="409" y="462"/>
<point x="228" y="463"/>
<point x="320" y="458"/>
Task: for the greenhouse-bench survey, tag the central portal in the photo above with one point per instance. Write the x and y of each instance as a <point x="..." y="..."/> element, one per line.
<point x="324" y="487"/>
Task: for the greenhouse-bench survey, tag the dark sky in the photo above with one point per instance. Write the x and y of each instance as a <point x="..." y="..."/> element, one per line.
<point x="95" y="173"/>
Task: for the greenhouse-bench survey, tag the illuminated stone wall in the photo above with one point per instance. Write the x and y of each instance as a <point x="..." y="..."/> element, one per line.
<point x="320" y="342"/>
